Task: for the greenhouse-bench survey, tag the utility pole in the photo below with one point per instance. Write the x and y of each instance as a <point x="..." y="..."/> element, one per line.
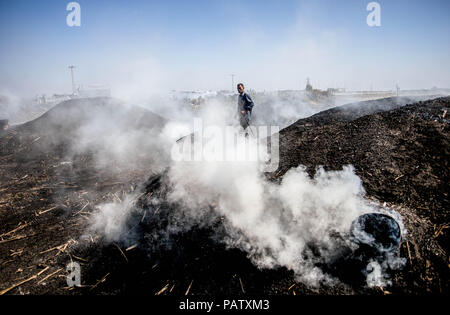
<point x="398" y="89"/>
<point x="232" y="82"/>
<point x="73" y="79"/>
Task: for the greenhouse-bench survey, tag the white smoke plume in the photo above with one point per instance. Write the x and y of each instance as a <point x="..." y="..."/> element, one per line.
<point x="275" y="224"/>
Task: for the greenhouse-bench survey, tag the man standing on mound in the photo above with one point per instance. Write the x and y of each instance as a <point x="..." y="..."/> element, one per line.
<point x="245" y="105"/>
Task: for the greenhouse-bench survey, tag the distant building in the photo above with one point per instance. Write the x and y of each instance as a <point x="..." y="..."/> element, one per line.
<point x="94" y="91"/>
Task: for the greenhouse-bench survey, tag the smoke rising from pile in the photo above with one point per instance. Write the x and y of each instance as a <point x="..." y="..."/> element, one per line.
<point x="274" y="223"/>
<point x="298" y="224"/>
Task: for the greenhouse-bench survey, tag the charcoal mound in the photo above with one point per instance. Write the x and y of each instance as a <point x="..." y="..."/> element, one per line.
<point x="67" y="117"/>
<point x="401" y="154"/>
<point x="386" y="148"/>
<point x="57" y="130"/>
<point x="352" y="111"/>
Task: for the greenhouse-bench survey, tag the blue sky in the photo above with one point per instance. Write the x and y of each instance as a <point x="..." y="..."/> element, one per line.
<point x="144" y="46"/>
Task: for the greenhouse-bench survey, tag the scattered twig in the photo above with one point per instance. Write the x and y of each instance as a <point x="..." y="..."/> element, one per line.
<point x="60" y="248"/>
<point x="17" y="284"/>
<point x="131" y="247"/>
<point x="8" y="261"/>
<point x="189" y="288"/>
<point x="123" y="254"/>
<point x="16" y="252"/>
<point x="439" y="230"/>
<point x="385" y="292"/>
<point x="50" y="275"/>
<point x="118" y="199"/>
<point x="23" y="281"/>
<point x="15" y="230"/>
<point x="242" y="286"/>
<point x="145" y="213"/>
<point x="79" y="258"/>
<point x="409" y="252"/>
<point x="14" y="238"/>
<point x="44" y="211"/>
<point x="99" y="281"/>
<point x="162" y="290"/>
<point x="81" y="209"/>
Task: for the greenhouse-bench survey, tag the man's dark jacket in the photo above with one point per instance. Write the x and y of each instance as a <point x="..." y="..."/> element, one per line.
<point x="245" y="102"/>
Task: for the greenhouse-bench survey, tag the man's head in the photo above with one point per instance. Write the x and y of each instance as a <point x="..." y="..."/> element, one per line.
<point x="240" y="88"/>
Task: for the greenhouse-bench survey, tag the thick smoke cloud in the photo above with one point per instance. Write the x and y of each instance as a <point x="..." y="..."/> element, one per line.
<point x="277" y="225"/>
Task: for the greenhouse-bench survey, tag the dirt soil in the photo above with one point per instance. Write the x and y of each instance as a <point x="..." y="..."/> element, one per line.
<point x="401" y="153"/>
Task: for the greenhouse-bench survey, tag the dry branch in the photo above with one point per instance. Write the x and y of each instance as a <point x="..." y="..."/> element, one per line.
<point x="123" y="254"/>
<point x="23" y="281"/>
<point x="50" y="275"/>
<point x="242" y="286"/>
<point x="189" y="288"/>
<point x="44" y="211"/>
<point x="15" y="230"/>
<point x="99" y="281"/>
<point x="162" y="290"/>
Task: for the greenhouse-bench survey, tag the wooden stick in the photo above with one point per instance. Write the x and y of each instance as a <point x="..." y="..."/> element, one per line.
<point x="145" y="213"/>
<point x="15" y="230"/>
<point x="120" y="200"/>
<point x="409" y="253"/>
<point x="79" y="258"/>
<point x="81" y="209"/>
<point x="98" y="282"/>
<point x="131" y="247"/>
<point x="123" y="254"/>
<point x="44" y="211"/>
<point x="189" y="288"/>
<point x="48" y="276"/>
<point x="162" y="290"/>
<point x="64" y="246"/>
<point x="242" y="286"/>
<point x="14" y="238"/>
<point x="17" y="284"/>
<point x="23" y="281"/>
<point x="50" y="249"/>
<point x="42" y="271"/>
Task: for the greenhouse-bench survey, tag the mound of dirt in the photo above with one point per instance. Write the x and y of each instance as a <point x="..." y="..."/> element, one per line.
<point x="399" y="152"/>
<point x="47" y="188"/>
<point x="402" y="157"/>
